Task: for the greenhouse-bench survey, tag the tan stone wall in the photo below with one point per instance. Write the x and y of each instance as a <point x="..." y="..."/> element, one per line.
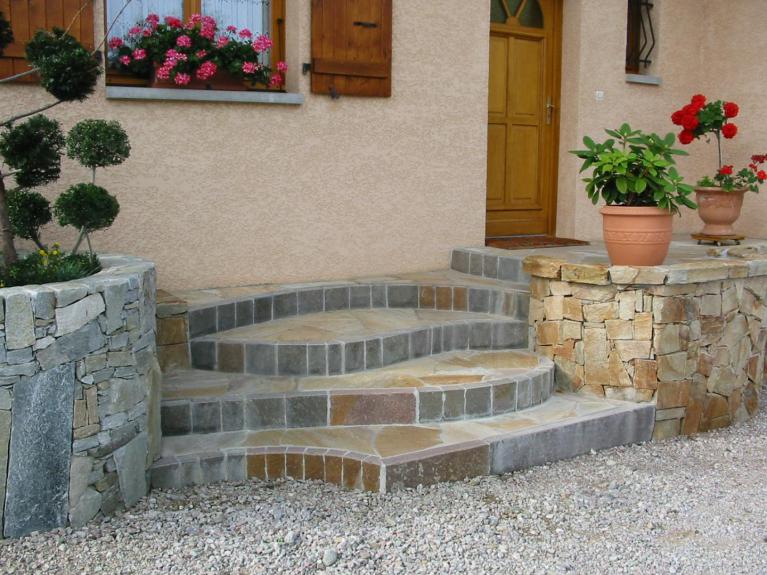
<point x="225" y="194"/>
<point x="703" y="46"/>
<point x="694" y="349"/>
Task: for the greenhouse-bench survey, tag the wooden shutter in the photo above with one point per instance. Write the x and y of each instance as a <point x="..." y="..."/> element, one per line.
<point x="633" y="36"/>
<point x="351" y="47"/>
<point x="29" y="16"/>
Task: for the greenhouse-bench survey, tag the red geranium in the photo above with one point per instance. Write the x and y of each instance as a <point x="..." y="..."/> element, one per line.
<point x="729" y="131"/>
<point x="761" y="176"/>
<point x="725" y="171"/>
<point x="731" y="109"/>
<point x="686" y="137"/>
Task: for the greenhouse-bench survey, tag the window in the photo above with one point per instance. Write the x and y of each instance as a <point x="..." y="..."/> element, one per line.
<point x="640" y="36"/>
<point x="259" y="16"/>
<point x="530" y="16"/>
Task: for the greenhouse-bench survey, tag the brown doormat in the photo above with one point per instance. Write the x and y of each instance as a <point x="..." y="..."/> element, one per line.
<point x="527" y="242"/>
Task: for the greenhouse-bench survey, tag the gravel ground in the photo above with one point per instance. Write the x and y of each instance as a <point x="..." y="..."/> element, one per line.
<point x="694" y="505"/>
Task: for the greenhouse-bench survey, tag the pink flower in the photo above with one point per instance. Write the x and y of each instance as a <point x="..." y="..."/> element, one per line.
<point x="135" y="31"/>
<point x="146" y="33"/>
<point x="139" y="54"/>
<point x="249" y="67"/>
<point x="115" y="43"/>
<point x="282" y="66"/>
<point x="201" y="53"/>
<point x="182" y="79"/>
<point x="193" y="20"/>
<point x="245" y="33"/>
<point x="231" y="28"/>
<point x="262" y="43"/>
<point x="222" y="41"/>
<point x="275" y="81"/>
<point x="153" y="18"/>
<point x="173" y="22"/>
<point x="125" y="60"/>
<point x="208" y="31"/>
<point x="172" y="57"/>
<point x="163" y="73"/>
<point x="206" y="70"/>
<point x="184" y="42"/>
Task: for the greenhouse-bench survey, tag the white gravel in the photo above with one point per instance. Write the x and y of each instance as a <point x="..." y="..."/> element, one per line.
<point x="695" y="505"/>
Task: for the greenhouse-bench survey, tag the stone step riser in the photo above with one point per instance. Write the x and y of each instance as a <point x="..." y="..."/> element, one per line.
<point x="327" y="359"/>
<point x="502" y="454"/>
<point x="504" y="268"/>
<point x="263" y="308"/>
<point x="344" y="408"/>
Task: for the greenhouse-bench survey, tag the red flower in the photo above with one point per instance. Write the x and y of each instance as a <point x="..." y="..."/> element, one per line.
<point x="698" y="100"/>
<point x="690" y="123"/>
<point x="173" y="22"/>
<point x="729" y="131"/>
<point x="725" y="171"/>
<point x="677" y="117"/>
<point x="731" y="109"/>
<point x="761" y="175"/>
<point x="686" y="137"/>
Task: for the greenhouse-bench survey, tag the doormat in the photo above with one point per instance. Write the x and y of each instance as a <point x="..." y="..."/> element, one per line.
<point x="527" y="242"/>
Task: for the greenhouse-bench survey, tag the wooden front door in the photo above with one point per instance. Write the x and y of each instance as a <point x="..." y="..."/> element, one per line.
<point x="522" y="131"/>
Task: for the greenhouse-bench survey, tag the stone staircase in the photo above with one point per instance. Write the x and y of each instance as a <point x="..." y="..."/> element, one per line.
<point x="375" y="384"/>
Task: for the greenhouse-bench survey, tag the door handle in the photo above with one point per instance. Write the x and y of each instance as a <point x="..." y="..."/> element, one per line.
<point x="549" y="110"/>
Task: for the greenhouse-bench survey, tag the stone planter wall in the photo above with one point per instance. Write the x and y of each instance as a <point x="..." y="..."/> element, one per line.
<point x="79" y="397"/>
<point x="689" y="337"/>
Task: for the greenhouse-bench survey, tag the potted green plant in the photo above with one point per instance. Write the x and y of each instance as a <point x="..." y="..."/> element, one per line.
<point x="719" y="198"/>
<point x="635" y="174"/>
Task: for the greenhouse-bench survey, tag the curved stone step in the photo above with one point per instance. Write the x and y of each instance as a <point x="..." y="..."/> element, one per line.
<point x="350" y="341"/>
<point x="455" y="386"/>
<point x="383" y="458"/>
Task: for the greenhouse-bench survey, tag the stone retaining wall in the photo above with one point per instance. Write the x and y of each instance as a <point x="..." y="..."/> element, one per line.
<point x="79" y="397"/>
<point x="689" y="337"/>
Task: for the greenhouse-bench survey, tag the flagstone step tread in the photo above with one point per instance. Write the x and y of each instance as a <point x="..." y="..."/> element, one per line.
<point x="386" y="457"/>
<point x="454" y="386"/>
<point x="349" y="341"/>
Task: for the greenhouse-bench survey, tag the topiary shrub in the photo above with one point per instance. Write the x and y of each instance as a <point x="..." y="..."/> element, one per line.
<point x="33" y="149"/>
<point x="29" y="211"/>
<point x="87" y="207"/>
<point x="67" y="70"/>
<point x="6" y="33"/>
<point x="98" y="144"/>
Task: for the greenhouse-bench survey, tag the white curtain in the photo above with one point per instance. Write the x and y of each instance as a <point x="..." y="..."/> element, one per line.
<point x="138" y="10"/>
<point x="255" y="15"/>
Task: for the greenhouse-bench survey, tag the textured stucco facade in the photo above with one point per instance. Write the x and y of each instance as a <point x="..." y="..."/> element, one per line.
<point x="704" y="47"/>
<point x="221" y="194"/>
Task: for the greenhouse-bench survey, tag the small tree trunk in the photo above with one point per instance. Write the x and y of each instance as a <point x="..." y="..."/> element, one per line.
<point x="10" y="256"/>
<point x="79" y="241"/>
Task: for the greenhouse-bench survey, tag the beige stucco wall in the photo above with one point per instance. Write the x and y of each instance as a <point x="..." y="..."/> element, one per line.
<point x="223" y="194"/>
<point x="703" y="46"/>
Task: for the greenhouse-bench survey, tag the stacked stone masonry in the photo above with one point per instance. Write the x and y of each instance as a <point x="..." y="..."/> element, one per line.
<point x="79" y="397"/>
<point x="689" y="338"/>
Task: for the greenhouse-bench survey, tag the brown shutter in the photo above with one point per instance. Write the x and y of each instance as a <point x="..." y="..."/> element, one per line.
<point x="351" y="47"/>
<point x="29" y="16"/>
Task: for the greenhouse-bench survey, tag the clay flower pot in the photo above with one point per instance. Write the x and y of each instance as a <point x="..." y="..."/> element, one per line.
<point x="718" y="209"/>
<point x="636" y="236"/>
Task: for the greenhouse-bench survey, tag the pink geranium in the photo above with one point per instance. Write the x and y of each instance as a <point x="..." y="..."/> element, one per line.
<point x="135" y="31"/>
<point x="250" y="67"/>
<point x="282" y="66"/>
<point x="163" y="73"/>
<point x="262" y="43"/>
<point x="275" y="81"/>
<point x="146" y="33"/>
<point x="201" y="53"/>
<point x="222" y="41"/>
<point x="115" y="43"/>
<point x="153" y="18"/>
<point x="184" y="42"/>
<point x="173" y="22"/>
<point x="125" y="60"/>
<point x="182" y="79"/>
<point x="207" y="70"/>
<point x="231" y="28"/>
<point x="139" y="54"/>
<point x="245" y="33"/>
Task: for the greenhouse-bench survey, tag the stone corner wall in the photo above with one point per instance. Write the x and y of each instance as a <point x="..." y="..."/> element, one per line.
<point x="79" y="397"/>
<point x="689" y="338"/>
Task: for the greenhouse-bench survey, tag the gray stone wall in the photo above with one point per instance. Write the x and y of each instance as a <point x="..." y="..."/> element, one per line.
<point x="79" y="397"/>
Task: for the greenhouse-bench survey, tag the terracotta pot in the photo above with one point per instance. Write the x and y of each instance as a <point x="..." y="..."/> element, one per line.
<point x="636" y="236"/>
<point x="718" y="209"/>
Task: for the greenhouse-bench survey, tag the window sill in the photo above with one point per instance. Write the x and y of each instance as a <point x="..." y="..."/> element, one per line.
<point x="183" y="95"/>
<point x="643" y="79"/>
